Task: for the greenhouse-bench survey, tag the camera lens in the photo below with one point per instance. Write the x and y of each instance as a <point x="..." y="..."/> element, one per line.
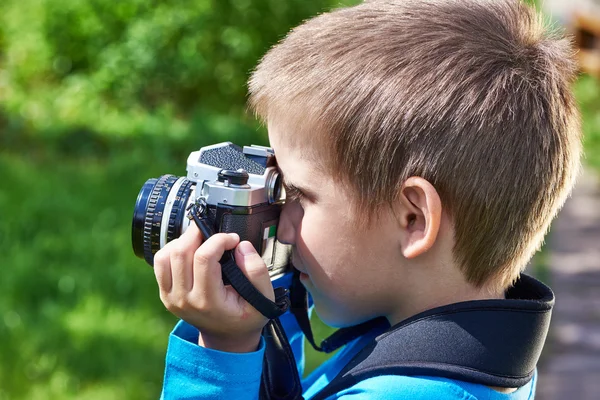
<point x="158" y="214"/>
<point x="139" y="215"/>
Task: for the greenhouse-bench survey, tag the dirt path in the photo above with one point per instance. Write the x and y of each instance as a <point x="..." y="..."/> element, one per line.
<point x="570" y="366"/>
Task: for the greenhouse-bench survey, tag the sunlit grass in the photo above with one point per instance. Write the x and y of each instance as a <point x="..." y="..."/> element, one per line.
<point x="79" y="314"/>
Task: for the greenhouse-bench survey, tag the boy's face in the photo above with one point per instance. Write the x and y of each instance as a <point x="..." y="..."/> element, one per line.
<point x="351" y="271"/>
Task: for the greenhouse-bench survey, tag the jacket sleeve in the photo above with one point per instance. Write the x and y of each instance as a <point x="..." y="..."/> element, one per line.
<point x="195" y="372"/>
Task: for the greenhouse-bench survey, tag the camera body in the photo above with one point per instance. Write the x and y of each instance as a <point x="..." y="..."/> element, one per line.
<point x="239" y="189"/>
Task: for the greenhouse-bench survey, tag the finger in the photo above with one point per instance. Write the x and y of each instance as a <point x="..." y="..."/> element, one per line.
<point x="253" y="266"/>
<point x="182" y="257"/>
<point x="162" y="269"/>
<point x="207" y="269"/>
<point x="191" y="237"/>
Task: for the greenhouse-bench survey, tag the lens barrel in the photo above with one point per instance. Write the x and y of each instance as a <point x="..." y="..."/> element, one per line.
<point x="154" y="202"/>
<point x="139" y="216"/>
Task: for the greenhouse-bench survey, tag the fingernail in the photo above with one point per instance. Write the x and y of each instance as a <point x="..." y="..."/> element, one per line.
<point x="234" y="235"/>
<point x="246" y="249"/>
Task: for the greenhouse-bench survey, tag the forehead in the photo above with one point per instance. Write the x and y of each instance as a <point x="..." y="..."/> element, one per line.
<point x="304" y="164"/>
<point x="296" y="154"/>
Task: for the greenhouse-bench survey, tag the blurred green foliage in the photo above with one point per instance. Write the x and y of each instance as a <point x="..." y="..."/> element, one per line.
<point x="80" y="317"/>
<point x="96" y="96"/>
<point x="163" y="68"/>
<point x="587" y="91"/>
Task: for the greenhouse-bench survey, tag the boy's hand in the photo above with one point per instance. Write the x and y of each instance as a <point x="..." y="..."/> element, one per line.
<point x="188" y="273"/>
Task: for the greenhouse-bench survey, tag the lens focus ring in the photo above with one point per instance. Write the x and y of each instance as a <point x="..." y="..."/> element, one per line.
<point x="178" y="209"/>
<point x="153" y="218"/>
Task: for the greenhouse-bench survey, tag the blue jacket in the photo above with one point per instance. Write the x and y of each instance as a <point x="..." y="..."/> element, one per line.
<point x="194" y="372"/>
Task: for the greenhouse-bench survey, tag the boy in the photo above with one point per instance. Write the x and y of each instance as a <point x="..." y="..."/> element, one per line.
<point x="426" y="146"/>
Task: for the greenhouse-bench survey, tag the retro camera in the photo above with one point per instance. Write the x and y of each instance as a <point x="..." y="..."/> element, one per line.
<point x="239" y="190"/>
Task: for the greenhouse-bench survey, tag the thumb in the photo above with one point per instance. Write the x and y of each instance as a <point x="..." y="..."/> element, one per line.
<point x="253" y="266"/>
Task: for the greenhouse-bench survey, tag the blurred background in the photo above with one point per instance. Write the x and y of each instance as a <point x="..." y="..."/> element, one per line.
<point x="97" y="96"/>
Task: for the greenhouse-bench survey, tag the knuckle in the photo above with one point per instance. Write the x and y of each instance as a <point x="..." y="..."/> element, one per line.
<point x="161" y="258"/>
<point x="200" y="257"/>
<point x="172" y="309"/>
<point x="198" y="301"/>
<point x="178" y="254"/>
<point x="202" y="306"/>
<point x="224" y="239"/>
<point x="255" y="266"/>
<point x="171" y="306"/>
<point x="257" y="269"/>
<point x="177" y="304"/>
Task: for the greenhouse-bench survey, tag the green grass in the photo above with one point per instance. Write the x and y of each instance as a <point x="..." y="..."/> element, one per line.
<point x="80" y="314"/>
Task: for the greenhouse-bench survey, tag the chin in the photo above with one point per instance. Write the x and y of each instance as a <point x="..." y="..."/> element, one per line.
<point x="337" y="320"/>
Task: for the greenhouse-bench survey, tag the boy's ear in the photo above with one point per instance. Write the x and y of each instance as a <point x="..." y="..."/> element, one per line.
<point x="420" y="216"/>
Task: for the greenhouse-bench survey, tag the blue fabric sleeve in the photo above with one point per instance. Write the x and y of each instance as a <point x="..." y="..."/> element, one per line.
<point x="193" y="372"/>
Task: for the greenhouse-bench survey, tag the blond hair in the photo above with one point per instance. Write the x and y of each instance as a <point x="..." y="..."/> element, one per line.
<point x="474" y="96"/>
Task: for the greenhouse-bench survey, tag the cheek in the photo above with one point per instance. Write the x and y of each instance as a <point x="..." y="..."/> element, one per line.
<point x="324" y="244"/>
<point x="311" y="240"/>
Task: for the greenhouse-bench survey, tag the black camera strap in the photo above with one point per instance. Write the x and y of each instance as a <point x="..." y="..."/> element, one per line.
<point x="235" y="277"/>
<point x="280" y="378"/>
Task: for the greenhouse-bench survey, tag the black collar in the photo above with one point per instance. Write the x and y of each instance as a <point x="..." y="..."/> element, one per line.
<point x="490" y="342"/>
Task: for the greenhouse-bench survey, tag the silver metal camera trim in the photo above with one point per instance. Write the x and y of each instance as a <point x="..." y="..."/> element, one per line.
<point x="164" y="223"/>
<point x="256" y="150"/>
<point x="255" y="192"/>
<point x="259" y="189"/>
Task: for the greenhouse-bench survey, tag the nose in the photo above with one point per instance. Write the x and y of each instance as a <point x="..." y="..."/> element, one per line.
<point x="289" y="220"/>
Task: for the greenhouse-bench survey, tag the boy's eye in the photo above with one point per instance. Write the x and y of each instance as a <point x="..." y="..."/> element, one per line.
<point x="293" y="193"/>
